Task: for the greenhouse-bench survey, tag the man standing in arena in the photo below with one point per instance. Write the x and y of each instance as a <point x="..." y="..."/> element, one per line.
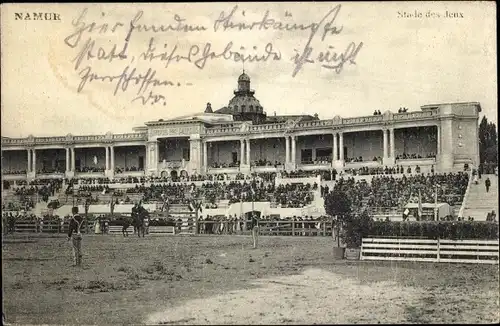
<point x="255" y="230"/>
<point x="75" y="235"/>
<point x="134" y="214"/>
<point x="487" y="184"/>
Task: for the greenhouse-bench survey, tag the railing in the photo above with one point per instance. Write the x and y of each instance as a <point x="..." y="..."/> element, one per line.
<point x="366" y="119"/>
<point x="90" y="138"/>
<point x="385" y="211"/>
<point x="223" y="130"/>
<point x="269" y="126"/>
<point x="276" y="228"/>
<point x="415" y="115"/>
<point x="452" y="251"/>
<point x="233" y="169"/>
<point x="131" y="136"/>
<point x="416" y="161"/>
<point x="117" y="229"/>
<point x="46" y="227"/>
<point x="70" y="138"/>
<point x="31" y="227"/>
<point x="313" y="124"/>
<point x="279" y="227"/>
<point x="161" y="230"/>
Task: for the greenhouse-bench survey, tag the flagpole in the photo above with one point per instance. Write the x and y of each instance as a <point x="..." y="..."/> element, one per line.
<point x="253" y="194"/>
<point x="420" y="213"/>
<point x="435" y="202"/>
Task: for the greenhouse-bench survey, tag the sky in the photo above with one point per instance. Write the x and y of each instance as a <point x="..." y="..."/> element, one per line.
<point x="406" y="56"/>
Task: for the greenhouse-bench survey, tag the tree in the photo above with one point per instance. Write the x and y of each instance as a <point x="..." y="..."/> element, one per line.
<point x="338" y="206"/>
<point x="359" y="226"/>
<point x="488" y="142"/>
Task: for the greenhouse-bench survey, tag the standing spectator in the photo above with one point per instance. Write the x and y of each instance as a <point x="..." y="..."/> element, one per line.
<point x="255" y="230"/>
<point x="74" y="234"/>
<point x="487" y="184"/>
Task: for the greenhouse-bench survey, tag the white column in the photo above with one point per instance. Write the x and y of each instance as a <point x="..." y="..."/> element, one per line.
<point x="29" y="161"/>
<point x="112" y="155"/>
<point x="385" y="143"/>
<point x="148" y="157"/>
<point x="67" y="160"/>
<point x="205" y="155"/>
<point x="106" y="148"/>
<point x="72" y="159"/>
<point x="438" y="140"/>
<point x="157" y="154"/>
<point x="393" y="145"/>
<point x="341" y="146"/>
<point x="34" y="161"/>
<point x="294" y="155"/>
<point x="242" y="152"/>
<point x="287" y="149"/>
<point x="248" y="151"/>
<point x="335" y="148"/>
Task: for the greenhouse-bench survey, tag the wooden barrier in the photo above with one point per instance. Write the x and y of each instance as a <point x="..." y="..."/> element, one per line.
<point x="47" y="227"/>
<point x="452" y="251"/>
<point x="161" y="230"/>
<point x="279" y="227"/>
<point x="117" y="229"/>
<point x="51" y="227"/>
<point x="468" y="251"/>
<point x="26" y="227"/>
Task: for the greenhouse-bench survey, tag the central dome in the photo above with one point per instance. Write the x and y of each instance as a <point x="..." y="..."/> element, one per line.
<point x="245" y="103"/>
<point x="244" y="106"/>
<point x="244" y="77"/>
<point x="244" y="100"/>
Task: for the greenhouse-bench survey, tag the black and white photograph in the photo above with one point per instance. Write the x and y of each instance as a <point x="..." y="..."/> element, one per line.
<point x="249" y="163"/>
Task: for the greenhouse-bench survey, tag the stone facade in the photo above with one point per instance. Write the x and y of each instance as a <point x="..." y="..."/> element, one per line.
<point x="217" y="143"/>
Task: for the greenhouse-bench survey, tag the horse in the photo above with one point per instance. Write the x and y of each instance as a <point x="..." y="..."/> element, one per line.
<point x="140" y="221"/>
<point x="139" y="226"/>
<point x="126" y="224"/>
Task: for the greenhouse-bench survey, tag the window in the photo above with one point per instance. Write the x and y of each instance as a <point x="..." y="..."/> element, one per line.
<point x="185" y="154"/>
<point x="323" y="154"/>
<point x="306" y="155"/>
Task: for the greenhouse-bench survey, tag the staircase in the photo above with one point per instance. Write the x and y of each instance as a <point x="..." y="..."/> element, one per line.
<point x="479" y="202"/>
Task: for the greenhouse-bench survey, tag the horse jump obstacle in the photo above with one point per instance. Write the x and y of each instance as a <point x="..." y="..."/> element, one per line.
<point x="117" y="229"/>
<point x="450" y="251"/>
<point x="161" y="230"/>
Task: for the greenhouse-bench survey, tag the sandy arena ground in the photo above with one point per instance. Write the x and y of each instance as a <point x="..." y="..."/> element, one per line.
<point x="221" y="280"/>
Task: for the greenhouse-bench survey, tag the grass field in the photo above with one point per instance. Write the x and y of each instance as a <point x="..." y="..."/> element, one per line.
<point x="221" y="280"/>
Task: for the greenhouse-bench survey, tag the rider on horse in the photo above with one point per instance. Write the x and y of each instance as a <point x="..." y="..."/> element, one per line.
<point x="139" y="214"/>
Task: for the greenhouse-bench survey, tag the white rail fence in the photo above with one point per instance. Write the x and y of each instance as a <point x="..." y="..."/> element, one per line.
<point x="161" y="230"/>
<point x="450" y="251"/>
<point x="116" y="229"/>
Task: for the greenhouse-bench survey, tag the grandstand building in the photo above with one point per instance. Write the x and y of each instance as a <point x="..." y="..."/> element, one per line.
<point x="242" y="138"/>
